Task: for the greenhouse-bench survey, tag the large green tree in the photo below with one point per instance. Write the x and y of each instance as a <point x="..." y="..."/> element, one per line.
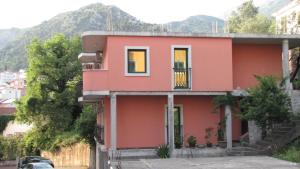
<point x="266" y="104"/>
<point x="53" y="84"/>
<point x="246" y="19"/>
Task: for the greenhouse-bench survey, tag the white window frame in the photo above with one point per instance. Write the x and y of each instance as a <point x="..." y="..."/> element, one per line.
<point x="189" y="47"/>
<point x="147" y="60"/>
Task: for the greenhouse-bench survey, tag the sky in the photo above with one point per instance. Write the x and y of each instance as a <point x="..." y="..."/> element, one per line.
<point x="28" y="13"/>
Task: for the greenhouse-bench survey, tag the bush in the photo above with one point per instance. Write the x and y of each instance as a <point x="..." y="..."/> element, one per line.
<point x="192" y="141"/>
<point x="163" y="151"/>
<point x="10" y="147"/>
<point x="266" y="104"/>
<point x="296" y="84"/>
<point x="4" y="121"/>
<point x="290" y="153"/>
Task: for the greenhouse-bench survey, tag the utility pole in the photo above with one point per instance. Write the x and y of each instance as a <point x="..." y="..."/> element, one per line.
<point x="109" y="23"/>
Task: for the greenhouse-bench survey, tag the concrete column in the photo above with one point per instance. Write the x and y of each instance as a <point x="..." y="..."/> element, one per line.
<point x="255" y="133"/>
<point x="228" y="115"/>
<point x="97" y="155"/>
<point x="113" y="122"/>
<point x="285" y="65"/>
<point x="171" y="121"/>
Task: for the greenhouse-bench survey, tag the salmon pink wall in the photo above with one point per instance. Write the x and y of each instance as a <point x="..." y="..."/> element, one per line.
<point x="197" y="116"/>
<point x="94" y="80"/>
<point x="250" y="60"/>
<point x="140" y="121"/>
<point x="211" y="63"/>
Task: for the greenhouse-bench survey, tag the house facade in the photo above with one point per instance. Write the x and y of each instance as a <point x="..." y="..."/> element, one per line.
<point x="158" y="88"/>
<point x="288" y="18"/>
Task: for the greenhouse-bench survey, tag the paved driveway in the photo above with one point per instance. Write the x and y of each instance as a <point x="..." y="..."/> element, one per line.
<point x="248" y="162"/>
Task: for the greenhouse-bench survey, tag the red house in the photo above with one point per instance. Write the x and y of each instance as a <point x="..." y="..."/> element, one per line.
<point x="135" y="78"/>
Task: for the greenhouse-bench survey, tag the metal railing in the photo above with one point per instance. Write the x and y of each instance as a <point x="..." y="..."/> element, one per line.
<point x="182" y="78"/>
<point x="91" y="66"/>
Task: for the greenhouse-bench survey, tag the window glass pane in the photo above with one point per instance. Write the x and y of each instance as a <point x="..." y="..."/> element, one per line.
<point x="136" y="61"/>
<point x="180" y="56"/>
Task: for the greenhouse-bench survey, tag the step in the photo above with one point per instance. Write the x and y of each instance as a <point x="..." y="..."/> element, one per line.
<point x="283" y="129"/>
<point x="245" y="151"/>
<point x="264" y="143"/>
<point x="279" y="132"/>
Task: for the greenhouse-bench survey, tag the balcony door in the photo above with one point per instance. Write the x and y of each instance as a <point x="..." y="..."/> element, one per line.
<point x="181" y="68"/>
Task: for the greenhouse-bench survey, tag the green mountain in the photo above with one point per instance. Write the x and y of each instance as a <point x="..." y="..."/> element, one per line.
<point x="92" y="17"/>
<point x="197" y="24"/>
<point x="8" y="35"/>
<point x="272" y="6"/>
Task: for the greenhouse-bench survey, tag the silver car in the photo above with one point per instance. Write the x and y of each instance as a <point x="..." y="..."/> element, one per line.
<point x="37" y="166"/>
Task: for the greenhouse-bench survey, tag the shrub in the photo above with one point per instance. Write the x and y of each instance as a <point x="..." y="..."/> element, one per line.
<point x="290" y="153"/>
<point x="163" y="151"/>
<point x="4" y="121"/>
<point x="192" y="141"/>
<point x="296" y="84"/>
<point x="10" y="147"/>
<point x="266" y="104"/>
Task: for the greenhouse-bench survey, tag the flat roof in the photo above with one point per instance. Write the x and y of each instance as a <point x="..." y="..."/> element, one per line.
<point x="294" y="40"/>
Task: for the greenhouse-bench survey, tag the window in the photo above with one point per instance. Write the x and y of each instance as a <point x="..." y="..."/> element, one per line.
<point x="181" y="57"/>
<point x="137" y="61"/>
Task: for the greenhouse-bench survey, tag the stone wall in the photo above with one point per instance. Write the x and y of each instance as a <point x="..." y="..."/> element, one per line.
<point x="77" y="155"/>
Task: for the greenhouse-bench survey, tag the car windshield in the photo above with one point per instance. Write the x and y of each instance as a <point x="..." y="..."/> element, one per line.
<point x="42" y="165"/>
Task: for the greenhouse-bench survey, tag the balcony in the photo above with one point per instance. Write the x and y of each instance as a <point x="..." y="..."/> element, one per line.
<point x="95" y="81"/>
<point x="88" y="57"/>
<point x="182" y="78"/>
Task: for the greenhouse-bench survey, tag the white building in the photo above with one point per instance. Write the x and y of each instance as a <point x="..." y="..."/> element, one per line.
<point x="7" y="76"/>
<point x="288" y="18"/>
<point x="15" y="128"/>
<point x="12" y="85"/>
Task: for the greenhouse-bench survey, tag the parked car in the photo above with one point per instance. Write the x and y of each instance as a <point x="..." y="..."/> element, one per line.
<point x="39" y="165"/>
<point x="33" y="159"/>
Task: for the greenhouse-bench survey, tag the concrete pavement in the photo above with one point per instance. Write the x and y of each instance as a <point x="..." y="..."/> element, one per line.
<point x="245" y="162"/>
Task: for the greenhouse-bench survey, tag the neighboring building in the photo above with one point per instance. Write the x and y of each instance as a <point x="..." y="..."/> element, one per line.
<point x="13" y="85"/>
<point x="135" y="77"/>
<point x="7" y="76"/>
<point x="12" y="88"/>
<point x="288" y="18"/>
<point x="7" y="107"/>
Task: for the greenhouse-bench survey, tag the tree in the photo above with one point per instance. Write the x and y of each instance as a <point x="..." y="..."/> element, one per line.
<point x="53" y="82"/>
<point x="266" y="103"/>
<point x="85" y="126"/>
<point x="247" y="20"/>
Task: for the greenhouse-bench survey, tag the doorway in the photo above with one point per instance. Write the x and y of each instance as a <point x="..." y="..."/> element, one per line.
<point x="178" y="125"/>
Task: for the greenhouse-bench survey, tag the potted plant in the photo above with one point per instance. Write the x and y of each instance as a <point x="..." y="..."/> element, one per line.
<point x="163" y="151"/>
<point x="209" y="132"/>
<point x="192" y="141"/>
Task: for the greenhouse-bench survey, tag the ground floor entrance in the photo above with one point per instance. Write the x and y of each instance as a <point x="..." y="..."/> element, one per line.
<point x="143" y="122"/>
<point x="178" y="125"/>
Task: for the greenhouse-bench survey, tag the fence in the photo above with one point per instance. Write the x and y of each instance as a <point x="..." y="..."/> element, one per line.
<point x="77" y="155"/>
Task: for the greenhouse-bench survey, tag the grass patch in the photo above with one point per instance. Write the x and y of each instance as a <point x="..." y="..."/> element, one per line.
<point x="290" y="153"/>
